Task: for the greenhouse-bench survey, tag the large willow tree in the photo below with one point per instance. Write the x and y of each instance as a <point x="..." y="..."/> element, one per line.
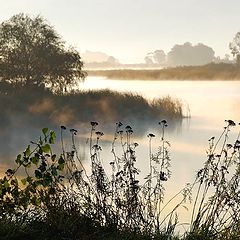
<point x="31" y="52"/>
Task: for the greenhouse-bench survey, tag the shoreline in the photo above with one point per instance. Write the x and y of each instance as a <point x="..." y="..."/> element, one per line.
<point x="209" y="72"/>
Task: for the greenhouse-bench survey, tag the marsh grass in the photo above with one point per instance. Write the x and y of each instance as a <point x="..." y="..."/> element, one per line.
<point x="212" y="71"/>
<point x="37" y="107"/>
<point x="59" y="197"/>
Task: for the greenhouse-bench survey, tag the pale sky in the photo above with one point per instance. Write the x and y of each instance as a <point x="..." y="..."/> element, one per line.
<point x="129" y="29"/>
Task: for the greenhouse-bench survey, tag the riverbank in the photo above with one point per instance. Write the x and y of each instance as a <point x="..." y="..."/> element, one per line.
<point x="40" y="107"/>
<point x="213" y="71"/>
<point x="26" y="109"/>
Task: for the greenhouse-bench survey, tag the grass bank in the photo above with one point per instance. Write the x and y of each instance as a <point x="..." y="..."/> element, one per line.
<point x="213" y="71"/>
<point x="39" y="107"/>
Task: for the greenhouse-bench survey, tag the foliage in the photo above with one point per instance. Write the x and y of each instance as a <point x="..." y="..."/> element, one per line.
<point x="187" y="54"/>
<point x="42" y="178"/>
<point x="37" y="107"/>
<point x="31" y="52"/>
<point x="60" y="194"/>
<point x="60" y="197"/>
<point x="157" y="57"/>
<point x="235" y="47"/>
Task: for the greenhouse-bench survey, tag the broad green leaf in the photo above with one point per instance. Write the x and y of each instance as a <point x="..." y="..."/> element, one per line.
<point x="48" y="177"/>
<point x="27" y="151"/>
<point x="45" y="131"/>
<point x="47" y="180"/>
<point x="6" y="184"/>
<point x="46" y="148"/>
<point x="35" y="160"/>
<point x="52" y="137"/>
<point x="18" y="160"/>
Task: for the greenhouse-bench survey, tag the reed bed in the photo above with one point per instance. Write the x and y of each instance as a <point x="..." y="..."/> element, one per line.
<point x="212" y="71"/>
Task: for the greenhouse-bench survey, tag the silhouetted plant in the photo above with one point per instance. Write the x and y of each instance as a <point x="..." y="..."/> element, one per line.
<point x="215" y="210"/>
<point x="61" y="195"/>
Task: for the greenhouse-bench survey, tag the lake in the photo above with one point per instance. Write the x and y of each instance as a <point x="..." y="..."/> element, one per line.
<point x="210" y="103"/>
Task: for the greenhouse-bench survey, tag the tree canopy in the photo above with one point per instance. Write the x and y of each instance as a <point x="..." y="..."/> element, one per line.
<point x="31" y="52"/>
<point x="235" y="47"/>
<point x="156" y="57"/>
<point x="188" y="54"/>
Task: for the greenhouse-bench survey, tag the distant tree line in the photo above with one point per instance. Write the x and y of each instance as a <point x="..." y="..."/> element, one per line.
<point x="31" y="52"/>
<point x="184" y="55"/>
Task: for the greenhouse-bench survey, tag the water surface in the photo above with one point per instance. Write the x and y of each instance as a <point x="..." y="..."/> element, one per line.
<point x="210" y="103"/>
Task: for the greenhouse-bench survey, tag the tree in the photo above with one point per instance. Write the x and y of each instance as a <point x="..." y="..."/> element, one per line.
<point x="235" y="47"/>
<point x="187" y="54"/>
<point x="112" y="60"/>
<point x="156" y="57"/>
<point x="31" y="52"/>
<point x="148" y="60"/>
<point x="159" y="56"/>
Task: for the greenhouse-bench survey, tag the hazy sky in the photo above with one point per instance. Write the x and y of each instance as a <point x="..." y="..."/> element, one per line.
<point x="129" y="29"/>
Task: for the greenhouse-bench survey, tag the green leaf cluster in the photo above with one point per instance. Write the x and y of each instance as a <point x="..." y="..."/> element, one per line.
<point x="42" y="178"/>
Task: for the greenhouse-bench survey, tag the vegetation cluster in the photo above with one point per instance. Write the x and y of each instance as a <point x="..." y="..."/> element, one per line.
<point x="59" y="197"/>
<point x="36" y="107"/>
<point x="182" y="54"/>
<point x="32" y="53"/>
<point x="212" y="71"/>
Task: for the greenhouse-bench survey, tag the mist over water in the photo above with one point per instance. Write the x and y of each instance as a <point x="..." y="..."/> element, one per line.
<point x="26" y="110"/>
<point x="210" y="103"/>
